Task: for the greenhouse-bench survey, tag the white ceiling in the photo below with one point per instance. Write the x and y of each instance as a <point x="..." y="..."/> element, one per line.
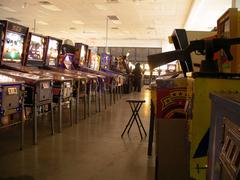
<point x="143" y="22"/>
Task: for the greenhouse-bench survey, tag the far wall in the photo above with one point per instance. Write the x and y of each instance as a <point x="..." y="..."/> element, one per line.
<point x="136" y="54"/>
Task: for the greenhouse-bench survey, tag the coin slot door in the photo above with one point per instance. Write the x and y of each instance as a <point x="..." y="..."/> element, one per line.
<point x="10" y="99"/>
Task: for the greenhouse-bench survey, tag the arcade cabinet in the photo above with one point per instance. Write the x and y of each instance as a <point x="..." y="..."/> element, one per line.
<point x="223" y="156"/>
<point x="199" y="85"/>
<point x="38" y="88"/>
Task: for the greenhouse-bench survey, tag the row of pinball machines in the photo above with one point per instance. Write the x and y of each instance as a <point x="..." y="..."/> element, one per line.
<point x="39" y="76"/>
<point x="195" y="114"/>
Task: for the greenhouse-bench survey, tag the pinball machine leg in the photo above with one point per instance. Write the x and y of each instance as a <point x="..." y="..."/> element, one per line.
<point x="35" y="128"/>
<point x="52" y="118"/>
<point x="60" y="115"/>
<point x="99" y="100"/>
<point x="114" y="95"/>
<point x="121" y="91"/>
<point x="89" y="102"/>
<point x="105" y="98"/>
<point x="111" y="95"/>
<point x="96" y="100"/>
<point x="77" y="107"/>
<point x="85" y="106"/>
<point x="22" y="128"/>
<point x="71" y="110"/>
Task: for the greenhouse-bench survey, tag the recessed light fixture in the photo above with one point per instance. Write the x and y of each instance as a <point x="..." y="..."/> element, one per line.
<point x="77" y="22"/>
<point x="7" y="8"/>
<point x="42" y="22"/>
<point x="112" y="1"/>
<point x="64" y="31"/>
<point x="72" y="28"/>
<point x="101" y="7"/>
<point x="13" y="19"/>
<point x="89" y="32"/>
<point x="117" y="22"/>
<point x="114" y="19"/>
<point x="150" y="28"/>
<point x="42" y="12"/>
<point x="49" y="6"/>
<point x="24" y="5"/>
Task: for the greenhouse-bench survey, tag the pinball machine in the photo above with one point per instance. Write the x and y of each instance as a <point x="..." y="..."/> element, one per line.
<point x="83" y="55"/>
<point x="88" y="82"/>
<point x="106" y="81"/>
<point x="61" y="86"/>
<point x="38" y="89"/>
<point x="105" y="64"/>
<point x="12" y="92"/>
<point x="50" y="64"/>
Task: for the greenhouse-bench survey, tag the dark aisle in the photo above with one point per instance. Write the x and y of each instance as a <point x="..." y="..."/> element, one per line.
<point x="90" y="150"/>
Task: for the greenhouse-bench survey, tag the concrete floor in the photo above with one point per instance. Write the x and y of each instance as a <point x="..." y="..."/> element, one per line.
<point x="90" y="150"/>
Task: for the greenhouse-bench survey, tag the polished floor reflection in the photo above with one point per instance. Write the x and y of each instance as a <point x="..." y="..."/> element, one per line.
<point x="91" y="150"/>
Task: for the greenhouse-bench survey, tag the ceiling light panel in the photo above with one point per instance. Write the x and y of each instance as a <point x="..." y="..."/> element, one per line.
<point x="7" y="9"/>
<point x="101" y="7"/>
<point x="77" y="22"/>
<point x="49" y="6"/>
<point x="42" y="23"/>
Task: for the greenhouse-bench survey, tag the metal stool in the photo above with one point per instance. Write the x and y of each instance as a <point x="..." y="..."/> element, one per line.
<point x="135" y="107"/>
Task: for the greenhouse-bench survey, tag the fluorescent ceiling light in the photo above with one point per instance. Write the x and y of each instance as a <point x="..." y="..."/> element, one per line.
<point x="77" y="22"/>
<point x="64" y="31"/>
<point x="101" y="7"/>
<point x="116" y="22"/>
<point x="43" y="12"/>
<point x="42" y="23"/>
<point x="13" y="19"/>
<point x="7" y="9"/>
<point x="51" y="7"/>
<point x="89" y="32"/>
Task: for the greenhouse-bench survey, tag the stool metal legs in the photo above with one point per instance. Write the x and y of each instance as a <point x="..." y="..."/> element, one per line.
<point x="135" y="107"/>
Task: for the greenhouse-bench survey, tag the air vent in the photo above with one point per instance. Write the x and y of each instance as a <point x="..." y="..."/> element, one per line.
<point x="72" y="28"/>
<point x="45" y="3"/>
<point x="150" y="28"/>
<point x="13" y="19"/>
<point x="112" y="1"/>
<point x="115" y="28"/>
<point x="113" y="18"/>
